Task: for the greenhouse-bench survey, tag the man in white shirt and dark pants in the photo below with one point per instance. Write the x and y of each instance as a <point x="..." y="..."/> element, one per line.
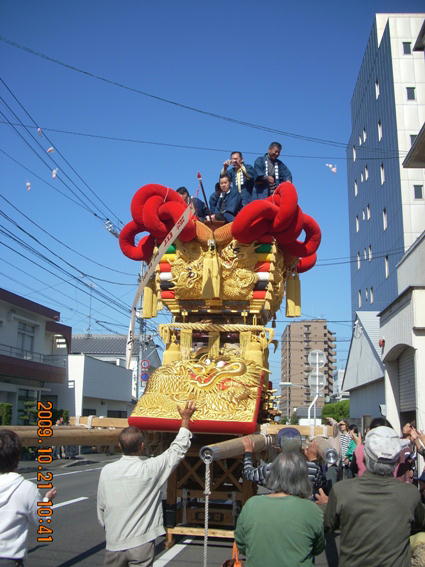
<point x="129" y="504"/>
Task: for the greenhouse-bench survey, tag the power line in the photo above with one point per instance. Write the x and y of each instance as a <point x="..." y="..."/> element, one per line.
<point x="400" y="155"/>
<point x="12" y="221"/>
<point x="51" y="158"/>
<point x="49" y="184"/>
<point x="60" y="153"/>
<point x="112" y="303"/>
<point x="48" y="166"/>
<point x="173" y="102"/>
<point x="63" y="243"/>
<point x="40" y="293"/>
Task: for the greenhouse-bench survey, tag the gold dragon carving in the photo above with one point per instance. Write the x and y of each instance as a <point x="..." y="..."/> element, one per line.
<point x="224" y="388"/>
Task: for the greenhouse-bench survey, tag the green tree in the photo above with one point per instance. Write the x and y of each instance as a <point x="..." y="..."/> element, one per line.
<point x="5" y="414"/>
<point x="337" y="410"/>
<point x="29" y="413"/>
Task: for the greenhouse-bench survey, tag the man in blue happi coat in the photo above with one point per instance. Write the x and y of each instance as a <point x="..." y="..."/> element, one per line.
<point x="269" y="172"/>
<point x="200" y="207"/>
<point x="241" y="176"/>
<point x="227" y="203"/>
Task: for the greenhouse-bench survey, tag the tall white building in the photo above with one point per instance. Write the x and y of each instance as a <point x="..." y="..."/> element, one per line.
<point x="386" y="201"/>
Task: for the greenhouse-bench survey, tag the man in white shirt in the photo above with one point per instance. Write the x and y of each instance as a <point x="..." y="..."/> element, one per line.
<point x="129" y="502"/>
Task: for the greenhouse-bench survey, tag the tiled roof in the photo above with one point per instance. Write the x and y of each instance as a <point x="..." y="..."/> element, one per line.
<point x="103" y="344"/>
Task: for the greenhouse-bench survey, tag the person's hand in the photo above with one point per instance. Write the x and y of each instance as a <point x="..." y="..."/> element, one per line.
<point x="413" y="434"/>
<point x="331" y="421"/>
<point x="270" y="179"/>
<point x="186" y="413"/>
<point x="356" y="438"/>
<point x="51" y="494"/>
<point x="321" y="498"/>
<point x="226" y="164"/>
<point x="247" y="444"/>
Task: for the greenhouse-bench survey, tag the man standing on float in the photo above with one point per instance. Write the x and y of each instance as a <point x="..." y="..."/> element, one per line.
<point x="270" y="172"/>
<point x="241" y="176"/>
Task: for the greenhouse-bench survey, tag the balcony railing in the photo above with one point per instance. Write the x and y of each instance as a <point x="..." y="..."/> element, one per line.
<point x="59" y="360"/>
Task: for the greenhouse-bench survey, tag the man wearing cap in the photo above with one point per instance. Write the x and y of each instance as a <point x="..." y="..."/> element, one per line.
<point x="375" y="513"/>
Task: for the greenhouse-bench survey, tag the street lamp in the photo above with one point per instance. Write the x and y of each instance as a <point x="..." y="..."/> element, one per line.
<point x="316" y="379"/>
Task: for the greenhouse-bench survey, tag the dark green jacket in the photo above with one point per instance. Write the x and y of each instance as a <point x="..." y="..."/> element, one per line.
<point x="376" y="515"/>
<point x="284" y="531"/>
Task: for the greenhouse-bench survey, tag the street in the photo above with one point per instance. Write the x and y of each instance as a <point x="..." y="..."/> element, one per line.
<point x="78" y="537"/>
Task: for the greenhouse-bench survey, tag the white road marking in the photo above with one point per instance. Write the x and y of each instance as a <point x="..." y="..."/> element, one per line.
<point x="60" y="504"/>
<point x="171" y="553"/>
<point x="67" y="473"/>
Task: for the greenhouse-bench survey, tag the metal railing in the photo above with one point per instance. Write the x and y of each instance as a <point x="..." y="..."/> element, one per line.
<point x="59" y="360"/>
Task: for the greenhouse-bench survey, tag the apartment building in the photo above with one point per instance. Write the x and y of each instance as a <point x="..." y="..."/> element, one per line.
<point x="298" y="339"/>
<point x="34" y="349"/>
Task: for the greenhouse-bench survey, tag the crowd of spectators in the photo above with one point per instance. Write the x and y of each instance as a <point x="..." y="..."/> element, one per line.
<point x="368" y="493"/>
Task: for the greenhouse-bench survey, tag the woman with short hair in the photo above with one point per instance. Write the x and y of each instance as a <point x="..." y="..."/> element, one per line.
<point x="284" y="528"/>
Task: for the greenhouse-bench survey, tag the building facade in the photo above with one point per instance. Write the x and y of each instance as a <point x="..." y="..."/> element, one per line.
<point x="386" y="202"/>
<point x="298" y="339"/>
<point x="34" y="348"/>
<point x="112" y="348"/>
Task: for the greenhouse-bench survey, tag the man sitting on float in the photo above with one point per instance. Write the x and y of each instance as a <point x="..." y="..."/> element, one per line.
<point x="226" y="204"/>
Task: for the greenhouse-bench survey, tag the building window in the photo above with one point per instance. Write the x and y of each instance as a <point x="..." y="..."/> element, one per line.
<point x="369" y="252"/>
<point x="26" y="336"/>
<point x="363" y="215"/>
<point x="413" y="138"/>
<point x="366" y="173"/>
<point x="410" y="93"/>
<point x="364" y="135"/>
<point x="407" y="48"/>
<point x="88" y="411"/>
<point x="376" y="89"/>
<point x="356" y="188"/>
<point x="368" y="212"/>
<point x="361" y="177"/>
<point x="372" y="295"/>
<point x="382" y="172"/>
<point x="387" y="267"/>
<point x="379" y="130"/>
<point x="357" y="224"/>
<point x="418" y="191"/>
<point x="366" y="294"/>
<point x="365" y="254"/>
<point x="360" y="140"/>
<point x="358" y="261"/>
<point x="384" y="219"/>
<point x="354" y="153"/>
<point x="359" y="298"/>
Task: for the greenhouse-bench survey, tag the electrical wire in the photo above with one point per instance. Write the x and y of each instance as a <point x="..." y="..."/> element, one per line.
<point x="59" y="152"/>
<point x="49" y="168"/>
<point x="63" y="243"/>
<point x="84" y="274"/>
<point x="101" y="214"/>
<point x="400" y="155"/>
<point x="110" y="302"/>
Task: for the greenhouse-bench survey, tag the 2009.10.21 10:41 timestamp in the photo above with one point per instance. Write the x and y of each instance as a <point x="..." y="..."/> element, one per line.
<point x="44" y="478"/>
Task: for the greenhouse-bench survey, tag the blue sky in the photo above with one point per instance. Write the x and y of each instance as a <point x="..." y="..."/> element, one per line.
<point x="284" y="65"/>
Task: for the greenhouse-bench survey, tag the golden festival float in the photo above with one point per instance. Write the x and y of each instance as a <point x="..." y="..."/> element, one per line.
<point x="223" y="284"/>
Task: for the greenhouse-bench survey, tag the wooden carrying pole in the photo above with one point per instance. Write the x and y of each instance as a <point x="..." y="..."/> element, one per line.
<point x="233" y="447"/>
<point x="67" y="435"/>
